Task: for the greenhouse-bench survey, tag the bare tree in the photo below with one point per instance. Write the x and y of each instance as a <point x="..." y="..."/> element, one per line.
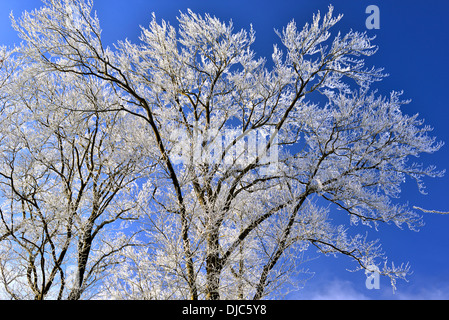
<point x="62" y="186"/>
<point x="247" y="162"/>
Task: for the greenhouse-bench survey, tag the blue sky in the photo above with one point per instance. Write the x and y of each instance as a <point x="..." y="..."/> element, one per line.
<point x="413" y="42"/>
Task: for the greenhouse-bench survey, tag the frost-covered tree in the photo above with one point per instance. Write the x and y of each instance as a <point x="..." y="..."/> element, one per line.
<point x="66" y="180"/>
<point x="239" y="163"/>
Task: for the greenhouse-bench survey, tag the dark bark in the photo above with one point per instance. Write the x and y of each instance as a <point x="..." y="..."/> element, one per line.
<point x="213" y="266"/>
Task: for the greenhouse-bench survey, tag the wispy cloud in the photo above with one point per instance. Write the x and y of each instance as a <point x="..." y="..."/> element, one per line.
<point x="341" y="289"/>
<point x="338" y="290"/>
<point x="427" y="293"/>
<point x="332" y="290"/>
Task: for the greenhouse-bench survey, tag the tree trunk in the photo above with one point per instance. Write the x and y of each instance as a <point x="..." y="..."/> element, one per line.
<point x="84" y="247"/>
<point x="213" y="266"/>
<point x="189" y="259"/>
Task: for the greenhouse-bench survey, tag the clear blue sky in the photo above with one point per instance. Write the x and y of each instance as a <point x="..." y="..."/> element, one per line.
<point x="413" y="42"/>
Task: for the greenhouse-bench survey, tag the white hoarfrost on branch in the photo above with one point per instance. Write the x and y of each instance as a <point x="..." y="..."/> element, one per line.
<point x="183" y="167"/>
